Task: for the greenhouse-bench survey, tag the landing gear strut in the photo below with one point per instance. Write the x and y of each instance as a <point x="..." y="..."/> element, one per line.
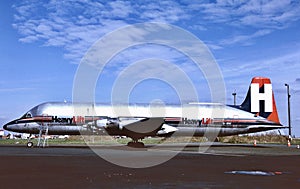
<point x="29" y="143"/>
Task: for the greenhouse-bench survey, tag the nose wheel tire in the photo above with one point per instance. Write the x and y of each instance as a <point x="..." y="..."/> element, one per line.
<point x="29" y="144"/>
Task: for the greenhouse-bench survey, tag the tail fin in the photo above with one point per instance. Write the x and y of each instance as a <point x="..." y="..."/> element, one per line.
<point x="260" y="99"/>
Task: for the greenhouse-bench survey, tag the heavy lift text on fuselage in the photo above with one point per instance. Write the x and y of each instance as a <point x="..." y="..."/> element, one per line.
<point x="86" y="119"/>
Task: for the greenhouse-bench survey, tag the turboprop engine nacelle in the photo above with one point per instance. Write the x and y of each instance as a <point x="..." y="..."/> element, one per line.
<point x="108" y="123"/>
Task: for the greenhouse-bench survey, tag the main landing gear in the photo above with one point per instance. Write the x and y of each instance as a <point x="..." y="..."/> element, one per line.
<point x="136" y="144"/>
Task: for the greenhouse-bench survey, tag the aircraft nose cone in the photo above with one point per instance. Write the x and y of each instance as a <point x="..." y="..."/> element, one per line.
<point x="7" y="126"/>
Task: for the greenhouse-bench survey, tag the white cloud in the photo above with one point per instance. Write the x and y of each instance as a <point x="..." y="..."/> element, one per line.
<point x="18" y="89"/>
<point x="244" y="38"/>
<point x="29" y="39"/>
<point x="214" y="46"/>
<point x="197" y="27"/>
<point x="120" y="9"/>
<point x="255" y="13"/>
<point x="76" y="25"/>
<point x="283" y="68"/>
<point x="164" y="11"/>
<point x="261" y="17"/>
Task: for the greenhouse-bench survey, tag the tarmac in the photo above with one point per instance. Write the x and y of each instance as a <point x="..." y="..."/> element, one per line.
<point x="195" y="166"/>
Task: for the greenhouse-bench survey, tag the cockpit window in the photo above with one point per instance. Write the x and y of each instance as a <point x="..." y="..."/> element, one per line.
<point x="28" y="115"/>
<point x="31" y="113"/>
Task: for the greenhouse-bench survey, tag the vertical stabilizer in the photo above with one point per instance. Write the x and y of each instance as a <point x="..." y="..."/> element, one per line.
<point x="260" y="99"/>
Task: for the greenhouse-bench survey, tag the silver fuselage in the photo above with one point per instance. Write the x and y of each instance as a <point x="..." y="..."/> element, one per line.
<point x="191" y="119"/>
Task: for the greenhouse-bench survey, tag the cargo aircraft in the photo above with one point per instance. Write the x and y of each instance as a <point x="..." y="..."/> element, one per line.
<point x="257" y="113"/>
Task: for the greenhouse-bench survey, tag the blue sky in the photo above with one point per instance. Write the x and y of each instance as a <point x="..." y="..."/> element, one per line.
<point x="42" y="43"/>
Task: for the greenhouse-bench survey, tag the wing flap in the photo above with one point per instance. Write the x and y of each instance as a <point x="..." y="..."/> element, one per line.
<point x="166" y="129"/>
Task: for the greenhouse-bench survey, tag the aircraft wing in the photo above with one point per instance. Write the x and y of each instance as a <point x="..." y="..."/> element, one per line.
<point x="142" y="125"/>
<point x="136" y="127"/>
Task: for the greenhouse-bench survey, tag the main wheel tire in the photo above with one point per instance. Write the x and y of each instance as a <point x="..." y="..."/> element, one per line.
<point x="136" y="144"/>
